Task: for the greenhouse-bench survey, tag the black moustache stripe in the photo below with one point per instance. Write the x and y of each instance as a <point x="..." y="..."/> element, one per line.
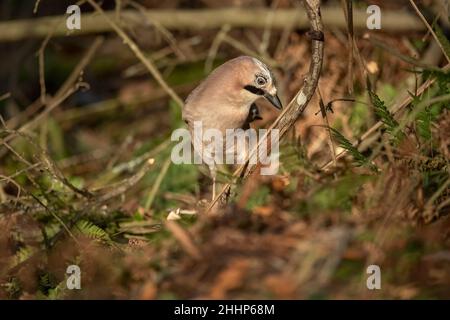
<point x="254" y="90"/>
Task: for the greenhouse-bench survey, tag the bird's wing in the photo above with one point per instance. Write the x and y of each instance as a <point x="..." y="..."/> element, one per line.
<point x="253" y="115"/>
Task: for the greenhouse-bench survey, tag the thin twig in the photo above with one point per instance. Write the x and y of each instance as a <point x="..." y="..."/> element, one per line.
<point x="388" y="48"/>
<point x="243" y="48"/>
<point x="164" y="32"/>
<point x="184" y="239"/>
<point x="66" y="90"/>
<point x="41" y="58"/>
<point x="36" y="6"/>
<point x="215" y="47"/>
<point x="395" y="109"/>
<point x="264" y="44"/>
<point x="5" y="96"/>
<point x="430" y="29"/>
<point x="324" y="114"/>
<point x="123" y="186"/>
<point x="348" y="11"/>
<point x="134" y="47"/>
<point x="438" y="192"/>
<point x="152" y="194"/>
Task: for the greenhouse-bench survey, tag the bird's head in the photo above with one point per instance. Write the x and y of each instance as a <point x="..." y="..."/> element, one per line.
<point x="236" y="84"/>
<point x="256" y="81"/>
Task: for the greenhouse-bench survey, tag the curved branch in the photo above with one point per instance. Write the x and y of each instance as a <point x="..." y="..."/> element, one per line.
<point x="296" y="107"/>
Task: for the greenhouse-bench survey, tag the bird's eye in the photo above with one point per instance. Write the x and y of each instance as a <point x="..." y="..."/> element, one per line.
<point x="260" y="81"/>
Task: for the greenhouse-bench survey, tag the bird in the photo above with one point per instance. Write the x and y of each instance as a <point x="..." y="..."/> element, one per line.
<point x="225" y="99"/>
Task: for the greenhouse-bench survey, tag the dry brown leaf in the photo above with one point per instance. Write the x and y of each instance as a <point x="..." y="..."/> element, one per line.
<point x="264" y="211"/>
<point x="148" y="291"/>
<point x="231" y="278"/>
<point x="282" y="285"/>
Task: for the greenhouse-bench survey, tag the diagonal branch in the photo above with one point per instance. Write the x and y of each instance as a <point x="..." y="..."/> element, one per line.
<point x="430" y="29"/>
<point x="139" y="54"/>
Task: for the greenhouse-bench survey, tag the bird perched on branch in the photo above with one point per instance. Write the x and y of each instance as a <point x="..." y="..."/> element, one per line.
<point x="226" y="100"/>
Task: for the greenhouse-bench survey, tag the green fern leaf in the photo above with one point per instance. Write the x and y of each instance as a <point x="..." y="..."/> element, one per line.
<point x="386" y="117"/>
<point x="360" y="159"/>
<point x="92" y="231"/>
<point x="23" y="254"/>
<point x="423" y="123"/>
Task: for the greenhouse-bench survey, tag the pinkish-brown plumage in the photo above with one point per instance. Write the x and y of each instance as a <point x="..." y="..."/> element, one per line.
<point x="221" y="101"/>
<point x="224" y="99"/>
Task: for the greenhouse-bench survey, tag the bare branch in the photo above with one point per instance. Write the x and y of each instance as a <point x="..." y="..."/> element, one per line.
<point x="194" y="19"/>
<point x="133" y="46"/>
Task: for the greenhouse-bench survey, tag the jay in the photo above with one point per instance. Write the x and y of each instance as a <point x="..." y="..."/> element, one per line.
<point x="226" y="100"/>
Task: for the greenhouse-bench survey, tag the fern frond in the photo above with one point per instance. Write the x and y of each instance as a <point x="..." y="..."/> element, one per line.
<point x="92" y="231"/>
<point x="385" y="116"/>
<point x="58" y="292"/>
<point x="23" y="254"/>
<point x="423" y="123"/>
<point x="343" y="142"/>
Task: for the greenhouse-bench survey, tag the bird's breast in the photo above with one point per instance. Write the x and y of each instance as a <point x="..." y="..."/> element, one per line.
<point x="223" y="118"/>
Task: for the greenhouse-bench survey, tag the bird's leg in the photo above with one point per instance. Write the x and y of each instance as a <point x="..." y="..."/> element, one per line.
<point x="214" y="189"/>
<point x="213" y="175"/>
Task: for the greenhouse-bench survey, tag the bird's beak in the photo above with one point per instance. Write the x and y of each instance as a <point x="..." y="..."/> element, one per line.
<point x="274" y="100"/>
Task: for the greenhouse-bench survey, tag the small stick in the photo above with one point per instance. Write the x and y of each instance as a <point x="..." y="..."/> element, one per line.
<point x="348" y="11"/>
<point x="429" y="28"/>
<point x="152" y="194"/>
<point x="403" y="104"/>
<point x="184" y="239"/>
<point x="324" y="114"/>
<point x="134" y="47"/>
